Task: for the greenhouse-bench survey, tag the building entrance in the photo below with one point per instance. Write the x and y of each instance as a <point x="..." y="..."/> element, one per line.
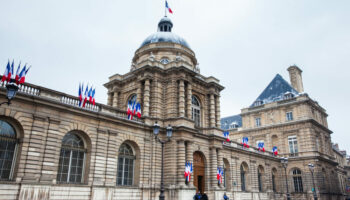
<point x="199" y="171"/>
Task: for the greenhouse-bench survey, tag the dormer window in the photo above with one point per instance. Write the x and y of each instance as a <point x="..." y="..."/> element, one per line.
<point x="258" y="103"/>
<point x="288" y="95"/>
<point x="233" y="125"/>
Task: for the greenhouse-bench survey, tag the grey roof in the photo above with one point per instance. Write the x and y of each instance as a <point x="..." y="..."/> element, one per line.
<point x="275" y="91"/>
<point x="227" y="121"/>
<point x="165" y="37"/>
<point x="164" y="34"/>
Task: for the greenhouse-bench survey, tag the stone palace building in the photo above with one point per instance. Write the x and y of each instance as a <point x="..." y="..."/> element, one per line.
<point x="50" y="148"/>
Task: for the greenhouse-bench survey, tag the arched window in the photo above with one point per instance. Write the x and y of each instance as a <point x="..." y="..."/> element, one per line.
<point x="72" y="159"/>
<point x="126" y="160"/>
<point x="131" y="99"/>
<point x="274" y="173"/>
<point x="8" y="145"/>
<point x="297" y="180"/>
<point x="243" y="178"/>
<point x="196" y="111"/>
<point x="260" y="178"/>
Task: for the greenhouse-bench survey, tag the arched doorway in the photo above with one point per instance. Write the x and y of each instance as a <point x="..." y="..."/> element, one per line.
<point x="199" y="171"/>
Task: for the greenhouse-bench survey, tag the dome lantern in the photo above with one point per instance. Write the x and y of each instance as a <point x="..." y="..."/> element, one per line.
<point x="165" y="25"/>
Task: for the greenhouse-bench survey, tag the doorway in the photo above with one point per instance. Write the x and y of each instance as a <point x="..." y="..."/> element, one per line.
<point x="199" y="171"/>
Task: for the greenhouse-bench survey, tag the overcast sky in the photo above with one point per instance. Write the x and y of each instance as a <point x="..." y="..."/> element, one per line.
<point x="241" y="42"/>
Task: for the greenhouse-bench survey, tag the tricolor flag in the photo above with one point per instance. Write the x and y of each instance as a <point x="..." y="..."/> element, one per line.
<point x="93" y="97"/>
<point x="17" y="74"/>
<point x="226" y="135"/>
<point x="10" y="72"/>
<point x="80" y="93"/>
<point x="138" y="110"/>
<point x="22" y="76"/>
<point x="245" y="142"/>
<point x="86" y="93"/>
<point x="261" y="146"/>
<point x="90" y="95"/>
<point x="275" y="151"/>
<point x="219" y="174"/>
<point x="4" y="76"/>
<point x="167" y="7"/>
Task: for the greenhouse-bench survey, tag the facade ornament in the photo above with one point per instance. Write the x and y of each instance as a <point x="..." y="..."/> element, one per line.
<point x="151" y="56"/>
<point x="133" y="66"/>
<point x="178" y="57"/>
<point x="197" y="69"/>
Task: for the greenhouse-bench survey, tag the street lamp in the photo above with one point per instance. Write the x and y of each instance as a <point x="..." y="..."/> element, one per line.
<point x="312" y="167"/>
<point x="169" y="133"/>
<point x="11" y="89"/>
<point x="284" y="162"/>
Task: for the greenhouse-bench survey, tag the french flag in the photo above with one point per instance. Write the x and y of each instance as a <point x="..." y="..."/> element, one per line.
<point x="4" y="77"/>
<point x="22" y="76"/>
<point x="129" y="108"/>
<point x="93" y="97"/>
<point x="90" y="95"/>
<point x="138" y="110"/>
<point x="226" y="135"/>
<point x="17" y="74"/>
<point x="80" y="93"/>
<point x="245" y="142"/>
<point x="167" y="6"/>
<point x="9" y="74"/>
<point x="274" y="150"/>
<point x="86" y="95"/>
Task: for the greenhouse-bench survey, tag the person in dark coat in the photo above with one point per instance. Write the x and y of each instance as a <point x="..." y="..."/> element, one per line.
<point x="198" y="196"/>
<point x="226" y="197"/>
<point x="204" y="196"/>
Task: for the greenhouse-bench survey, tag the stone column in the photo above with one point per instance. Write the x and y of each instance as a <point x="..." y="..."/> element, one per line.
<point x="235" y="172"/>
<point x="189" y="158"/>
<point x="138" y="92"/>
<point x="146" y="98"/>
<point x="189" y="101"/>
<point x="181" y="159"/>
<point x="110" y="98"/>
<point x="212" y="111"/>
<point x="217" y="105"/>
<point x="253" y="173"/>
<point x="220" y="161"/>
<point x="182" y="99"/>
<point x="115" y="99"/>
<point x="213" y="164"/>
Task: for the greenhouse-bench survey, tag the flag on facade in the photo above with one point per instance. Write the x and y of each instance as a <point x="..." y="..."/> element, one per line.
<point x="219" y="174"/>
<point x="10" y="72"/>
<point x="7" y="69"/>
<point x="93" y="97"/>
<point x="90" y="95"/>
<point x="274" y="150"/>
<point x="17" y="73"/>
<point x="86" y="93"/>
<point x="80" y="94"/>
<point x="261" y="146"/>
<point x="138" y="110"/>
<point x="23" y="76"/>
<point x="167" y="7"/>
<point x="245" y="142"/>
<point x="188" y="171"/>
<point x="226" y="135"/>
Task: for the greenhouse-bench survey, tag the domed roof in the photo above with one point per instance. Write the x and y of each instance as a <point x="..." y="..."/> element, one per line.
<point x="164" y="34"/>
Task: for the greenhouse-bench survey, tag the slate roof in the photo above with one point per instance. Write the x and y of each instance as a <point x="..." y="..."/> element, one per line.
<point x="275" y="91"/>
<point x="227" y="121"/>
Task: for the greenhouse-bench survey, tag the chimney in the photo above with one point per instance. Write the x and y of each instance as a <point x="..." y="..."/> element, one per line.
<point x="295" y="78"/>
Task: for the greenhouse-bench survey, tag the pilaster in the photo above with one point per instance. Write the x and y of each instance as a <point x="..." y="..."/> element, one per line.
<point x="115" y="99"/>
<point x="217" y="104"/>
<point x="146" y="98"/>
<point x="189" y="101"/>
<point x="213" y="166"/>
<point x="181" y="159"/>
<point x="212" y="111"/>
<point x="181" y="98"/>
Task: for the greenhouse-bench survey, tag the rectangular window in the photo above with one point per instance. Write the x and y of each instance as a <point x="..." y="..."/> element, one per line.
<point x="289" y="116"/>
<point x="293" y="145"/>
<point x="257" y="122"/>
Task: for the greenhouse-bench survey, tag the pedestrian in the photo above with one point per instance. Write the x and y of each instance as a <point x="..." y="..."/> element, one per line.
<point x="204" y="196"/>
<point x="198" y="196"/>
<point x="226" y="197"/>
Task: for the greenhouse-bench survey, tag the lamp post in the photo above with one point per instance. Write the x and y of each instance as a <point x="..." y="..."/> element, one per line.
<point x="284" y="162"/>
<point x="312" y="167"/>
<point x="169" y="132"/>
<point x="11" y="89"/>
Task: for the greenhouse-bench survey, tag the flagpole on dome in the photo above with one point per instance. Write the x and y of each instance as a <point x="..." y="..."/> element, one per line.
<point x="165" y="7"/>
